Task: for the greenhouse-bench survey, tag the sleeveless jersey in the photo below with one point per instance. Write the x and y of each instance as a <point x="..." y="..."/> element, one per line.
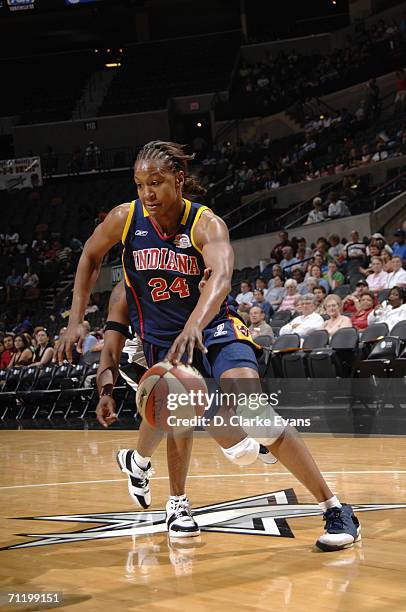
<point x="162" y="274"/>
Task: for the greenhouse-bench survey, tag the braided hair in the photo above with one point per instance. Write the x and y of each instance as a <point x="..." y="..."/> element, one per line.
<point x="174" y="158"/>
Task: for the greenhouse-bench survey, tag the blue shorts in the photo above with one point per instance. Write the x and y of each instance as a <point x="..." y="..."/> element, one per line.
<point x="229" y="345"/>
<point x="219" y="359"/>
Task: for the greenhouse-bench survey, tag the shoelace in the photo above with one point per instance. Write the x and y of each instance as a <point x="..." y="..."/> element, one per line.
<point x="333" y="519"/>
<point x="182" y="507"/>
<point x="147" y="475"/>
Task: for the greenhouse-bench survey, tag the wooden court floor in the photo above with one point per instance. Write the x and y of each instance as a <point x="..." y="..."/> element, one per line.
<point x="248" y="560"/>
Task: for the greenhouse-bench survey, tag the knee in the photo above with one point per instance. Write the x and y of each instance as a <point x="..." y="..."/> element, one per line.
<point x="244" y="452"/>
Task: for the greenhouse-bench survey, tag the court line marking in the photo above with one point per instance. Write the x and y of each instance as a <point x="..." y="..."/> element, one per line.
<point x="78" y="482"/>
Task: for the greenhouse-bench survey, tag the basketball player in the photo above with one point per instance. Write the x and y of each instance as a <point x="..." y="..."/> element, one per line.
<point x="168" y="241"/>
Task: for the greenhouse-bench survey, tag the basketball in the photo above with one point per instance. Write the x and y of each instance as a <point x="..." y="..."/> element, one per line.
<point x="171" y="397"/>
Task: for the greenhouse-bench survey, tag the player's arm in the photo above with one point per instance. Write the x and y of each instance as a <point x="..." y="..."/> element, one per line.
<point x="104" y="237"/>
<point x="211" y="234"/>
<point x="114" y="340"/>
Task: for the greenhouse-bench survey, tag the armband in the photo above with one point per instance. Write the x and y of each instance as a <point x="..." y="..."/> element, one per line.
<point x="118" y="327"/>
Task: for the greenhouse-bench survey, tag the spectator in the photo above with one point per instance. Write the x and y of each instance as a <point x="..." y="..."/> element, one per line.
<point x="307" y="322"/>
<point x="355" y="249"/>
<point x="299" y="276"/>
<point x="365" y="305"/>
<point x="276" y="271"/>
<point x="320" y="295"/>
<point x="284" y="241"/>
<point x="397" y="277"/>
<point x="399" y="247"/>
<point x="291" y="296"/>
<point x="319" y="259"/>
<point x="6" y="356"/>
<point x="260" y="283"/>
<point x="245" y="297"/>
<point x="386" y="260"/>
<point x="379" y="278"/>
<point x="317" y="214"/>
<point x="301" y="243"/>
<point x="258" y="326"/>
<point x="400" y="97"/>
<point x="336" y="208"/>
<point x="30" y="280"/>
<point x="315" y="272"/>
<point x="337" y="320"/>
<point x="92" y="155"/>
<point x="351" y="302"/>
<point x="391" y="311"/>
<point x="14" y="283"/>
<point x="44" y="351"/>
<point x="275" y="295"/>
<point x="23" y="353"/>
<point x="288" y="259"/>
<point x="58" y="338"/>
<point x="333" y="276"/>
<point x="259" y="300"/>
<point x="336" y="250"/>
<point x="88" y="339"/>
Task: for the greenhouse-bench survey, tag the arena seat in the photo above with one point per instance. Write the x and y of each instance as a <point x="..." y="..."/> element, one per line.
<point x="295" y="365"/>
<point x="371" y="335"/>
<point x="283" y="344"/>
<point x="342" y="291"/>
<point x="338" y="359"/>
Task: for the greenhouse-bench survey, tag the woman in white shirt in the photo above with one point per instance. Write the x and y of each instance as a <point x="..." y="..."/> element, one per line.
<point x="396" y="278"/>
<point x="392" y="311"/>
<point x="378" y="278"/>
<point x="334" y="306"/>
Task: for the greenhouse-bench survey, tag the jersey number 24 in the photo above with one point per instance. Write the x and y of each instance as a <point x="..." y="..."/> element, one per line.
<point x="161" y="291"/>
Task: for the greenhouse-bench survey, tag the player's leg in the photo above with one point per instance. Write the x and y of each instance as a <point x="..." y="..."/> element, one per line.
<point x="179" y="518"/>
<point x="136" y="463"/>
<point x="179" y="448"/>
<point x="342" y="527"/>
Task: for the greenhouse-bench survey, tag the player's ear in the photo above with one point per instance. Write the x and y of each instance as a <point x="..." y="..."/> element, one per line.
<point x="180" y="179"/>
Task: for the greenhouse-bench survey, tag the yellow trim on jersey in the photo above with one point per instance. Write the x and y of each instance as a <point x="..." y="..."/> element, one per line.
<point x="198" y="215"/>
<point x="144" y="210"/>
<point x="128" y="221"/>
<point x="188" y="206"/>
<point x="237" y="323"/>
<point x="127" y="280"/>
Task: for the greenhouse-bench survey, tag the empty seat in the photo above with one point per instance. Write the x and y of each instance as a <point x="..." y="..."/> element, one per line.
<point x="342" y="291"/>
<point x="295" y="365"/>
<point x="266" y="343"/>
<point x="282" y="345"/>
<point x="281" y="316"/>
<point x="399" y="330"/>
<point x="372" y="334"/>
<point x="337" y="360"/>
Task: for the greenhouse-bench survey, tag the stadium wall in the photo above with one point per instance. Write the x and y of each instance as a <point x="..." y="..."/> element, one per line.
<point x="116" y="131"/>
<point x="298" y="192"/>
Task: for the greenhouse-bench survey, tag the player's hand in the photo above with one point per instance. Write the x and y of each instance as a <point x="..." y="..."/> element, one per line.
<point x="73" y="335"/>
<point x="106" y="411"/>
<point x="205" y="278"/>
<point x="186" y="342"/>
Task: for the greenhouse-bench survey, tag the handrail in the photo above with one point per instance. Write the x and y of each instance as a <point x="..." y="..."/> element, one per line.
<point x="298" y="206"/>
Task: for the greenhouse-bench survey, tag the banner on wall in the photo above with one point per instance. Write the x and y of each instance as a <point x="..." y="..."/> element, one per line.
<point x="116" y="275"/>
<point x="21" y="173"/>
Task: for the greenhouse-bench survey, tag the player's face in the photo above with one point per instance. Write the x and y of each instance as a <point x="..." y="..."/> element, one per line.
<point x="158" y="190"/>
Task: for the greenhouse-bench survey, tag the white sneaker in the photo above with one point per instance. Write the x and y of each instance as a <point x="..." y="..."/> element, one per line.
<point x="179" y="519"/>
<point x="266" y="456"/>
<point x="138" y="479"/>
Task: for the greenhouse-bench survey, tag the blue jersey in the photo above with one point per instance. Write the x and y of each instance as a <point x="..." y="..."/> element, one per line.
<point x="162" y="274"/>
